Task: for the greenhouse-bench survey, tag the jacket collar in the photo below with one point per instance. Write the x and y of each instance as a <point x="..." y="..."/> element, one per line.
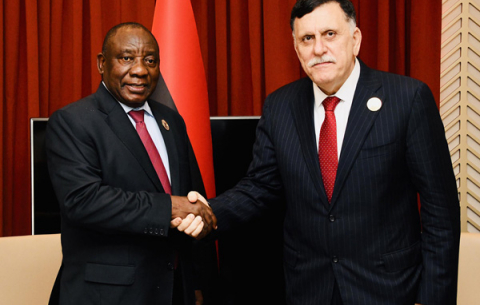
<point x="117" y="120"/>
<point x="360" y="121"/>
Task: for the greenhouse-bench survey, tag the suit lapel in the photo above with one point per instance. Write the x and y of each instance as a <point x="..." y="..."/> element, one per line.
<point x="360" y="121"/>
<point x="169" y="139"/>
<point x="122" y="127"/>
<point x="302" y="109"/>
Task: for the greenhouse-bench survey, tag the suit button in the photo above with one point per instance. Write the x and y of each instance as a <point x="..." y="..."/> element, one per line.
<point x="145" y="231"/>
<point x="162" y="232"/>
<point x="151" y="231"/>
<point x="170" y="266"/>
<point x="156" y="231"/>
<point x="335" y="259"/>
<point x="332" y="218"/>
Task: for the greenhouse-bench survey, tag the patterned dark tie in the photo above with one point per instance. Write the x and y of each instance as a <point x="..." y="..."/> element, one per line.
<point x="152" y="151"/>
<point x="327" y="147"/>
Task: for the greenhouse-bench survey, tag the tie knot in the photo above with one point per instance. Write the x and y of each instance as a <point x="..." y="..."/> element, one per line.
<point x="330" y="103"/>
<point x="137" y="115"/>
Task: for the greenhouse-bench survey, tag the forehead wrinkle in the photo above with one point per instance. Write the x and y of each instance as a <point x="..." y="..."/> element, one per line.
<point x="132" y="48"/>
<point x="311" y="26"/>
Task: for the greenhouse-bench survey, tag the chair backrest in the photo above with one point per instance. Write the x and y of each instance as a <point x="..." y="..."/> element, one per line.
<point x="469" y="269"/>
<point x="28" y="267"/>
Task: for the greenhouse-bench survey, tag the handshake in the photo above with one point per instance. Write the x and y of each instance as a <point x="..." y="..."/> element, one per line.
<point x="192" y="215"/>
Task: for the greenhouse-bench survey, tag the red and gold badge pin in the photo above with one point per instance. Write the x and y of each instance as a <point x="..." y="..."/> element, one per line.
<point x="165" y="125"/>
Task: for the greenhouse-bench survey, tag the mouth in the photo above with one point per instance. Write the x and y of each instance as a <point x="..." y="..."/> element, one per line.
<point x="321" y="64"/>
<point x="136" y="88"/>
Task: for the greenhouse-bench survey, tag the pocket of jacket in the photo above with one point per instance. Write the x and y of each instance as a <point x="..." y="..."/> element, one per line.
<point x="403" y="258"/>
<point x="110" y="274"/>
<point x="377" y="151"/>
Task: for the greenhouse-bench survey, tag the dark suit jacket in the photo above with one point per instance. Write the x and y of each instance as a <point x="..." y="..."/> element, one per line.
<point x="370" y="239"/>
<point x="117" y="244"/>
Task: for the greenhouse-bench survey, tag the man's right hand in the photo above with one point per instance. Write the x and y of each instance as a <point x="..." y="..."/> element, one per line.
<point x="197" y="217"/>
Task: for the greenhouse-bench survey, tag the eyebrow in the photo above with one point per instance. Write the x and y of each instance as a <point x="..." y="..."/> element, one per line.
<point x="126" y="51"/>
<point x="129" y="51"/>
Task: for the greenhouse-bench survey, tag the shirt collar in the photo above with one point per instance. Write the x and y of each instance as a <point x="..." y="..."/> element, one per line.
<point x="144" y="107"/>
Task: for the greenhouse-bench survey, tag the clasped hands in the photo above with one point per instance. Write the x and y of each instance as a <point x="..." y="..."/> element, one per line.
<point x="192" y="215"/>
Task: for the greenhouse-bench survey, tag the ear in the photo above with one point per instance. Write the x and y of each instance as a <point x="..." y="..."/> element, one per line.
<point x="357" y="41"/>
<point x="101" y="63"/>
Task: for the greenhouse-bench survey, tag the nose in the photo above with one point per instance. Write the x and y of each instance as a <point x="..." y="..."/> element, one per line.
<point x="138" y="68"/>
<point x="319" y="48"/>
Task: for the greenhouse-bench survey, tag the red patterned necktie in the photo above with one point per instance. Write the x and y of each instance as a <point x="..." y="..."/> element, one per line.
<point x="152" y="151"/>
<point x="327" y="147"/>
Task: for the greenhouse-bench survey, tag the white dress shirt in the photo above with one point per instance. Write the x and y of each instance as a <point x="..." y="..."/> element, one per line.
<point x="345" y="94"/>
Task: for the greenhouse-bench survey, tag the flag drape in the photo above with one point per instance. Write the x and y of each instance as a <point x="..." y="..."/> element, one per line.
<point x="181" y="65"/>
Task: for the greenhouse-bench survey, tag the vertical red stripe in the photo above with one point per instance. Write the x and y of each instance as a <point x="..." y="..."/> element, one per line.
<point x="182" y="67"/>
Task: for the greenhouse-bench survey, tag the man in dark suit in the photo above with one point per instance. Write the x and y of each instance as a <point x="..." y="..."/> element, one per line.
<point x="118" y="205"/>
<point x="350" y="175"/>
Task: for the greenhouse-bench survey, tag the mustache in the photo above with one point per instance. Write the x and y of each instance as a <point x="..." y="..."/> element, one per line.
<point x="321" y="60"/>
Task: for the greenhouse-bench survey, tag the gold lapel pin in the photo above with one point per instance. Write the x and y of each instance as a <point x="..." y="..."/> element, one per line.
<point x="374" y="104"/>
<point x="165" y="125"/>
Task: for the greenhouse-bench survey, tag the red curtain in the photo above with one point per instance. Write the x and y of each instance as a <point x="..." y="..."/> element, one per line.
<point x="248" y="47"/>
<point x="49" y="52"/>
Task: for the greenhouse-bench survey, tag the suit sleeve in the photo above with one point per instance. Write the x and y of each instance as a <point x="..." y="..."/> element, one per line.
<point x="431" y="170"/>
<point x="86" y="198"/>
